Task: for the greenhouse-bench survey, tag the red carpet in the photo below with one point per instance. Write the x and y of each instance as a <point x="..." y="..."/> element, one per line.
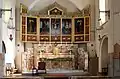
<point x="56" y="74"/>
<point x="56" y="78"/>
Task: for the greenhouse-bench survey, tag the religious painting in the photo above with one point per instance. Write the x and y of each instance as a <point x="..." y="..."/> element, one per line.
<point x="79" y="25"/>
<point x="31" y="25"/>
<point x="55" y="11"/>
<point x="44" y="26"/>
<point x="66" y="26"/>
<point x="55" y="26"/>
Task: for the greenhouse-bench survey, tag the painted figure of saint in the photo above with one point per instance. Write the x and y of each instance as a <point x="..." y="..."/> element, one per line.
<point x="79" y="26"/>
<point x="55" y="26"/>
<point x="66" y="26"/>
<point x="31" y="25"/>
<point x="44" y="26"/>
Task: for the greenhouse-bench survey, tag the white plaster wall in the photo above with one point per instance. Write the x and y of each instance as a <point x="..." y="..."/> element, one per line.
<point x="96" y="24"/>
<point x="116" y="32"/>
<point x="92" y="26"/>
<point x="1" y="61"/>
<point x="20" y="48"/>
<point x="91" y="49"/>
<point x="111" y="29"/>
<point x="10" y="45"/>
<point x="97" y="42"/>
<point x="1" y="29"/>
<point x="107" y="27"/>
<point x="106" y="31"/>
<point x="18" y="57"/>
<point x="81" y="3"/>
<point x="116" y="20"/>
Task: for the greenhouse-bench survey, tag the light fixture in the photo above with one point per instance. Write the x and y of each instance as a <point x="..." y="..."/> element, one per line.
<point x="99" y="37"/>
<point x="98" y="31"/>
<point x="11" y="37"/>
<point x="116" y="13"/>
<point x="3" y="10"/>
<point x="10" y="21"/>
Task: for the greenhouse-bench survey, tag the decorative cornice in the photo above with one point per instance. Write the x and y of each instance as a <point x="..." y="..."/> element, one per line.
<point x="87" y="10"/>
<point x="23" y="8"/>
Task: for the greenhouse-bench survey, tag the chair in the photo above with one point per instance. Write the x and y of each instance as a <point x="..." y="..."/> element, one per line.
<point x="41" y="67"/>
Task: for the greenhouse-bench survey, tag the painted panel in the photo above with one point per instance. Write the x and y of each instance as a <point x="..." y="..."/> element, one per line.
<point x="66" y="26"/>
<point x="79" y="25"/>
<point x="44" y="38"/>
<point x="31" y="38"/>
<point x="55" y="26"/>
<point x="31" y="25"/>
<point x="44" y="26"/>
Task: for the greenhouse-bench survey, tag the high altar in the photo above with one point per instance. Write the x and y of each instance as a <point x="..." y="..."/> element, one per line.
<point x="55" y="35"/>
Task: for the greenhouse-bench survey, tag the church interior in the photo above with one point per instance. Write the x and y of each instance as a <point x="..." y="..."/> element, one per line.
<point x="60" y="38"/>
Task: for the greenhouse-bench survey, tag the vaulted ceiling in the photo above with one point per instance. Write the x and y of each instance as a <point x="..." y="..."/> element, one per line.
<point x="40" y="4"/>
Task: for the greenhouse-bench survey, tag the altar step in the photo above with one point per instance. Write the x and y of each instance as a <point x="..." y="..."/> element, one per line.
<point x="59" y="77"/>
<point x="56" y="72"/>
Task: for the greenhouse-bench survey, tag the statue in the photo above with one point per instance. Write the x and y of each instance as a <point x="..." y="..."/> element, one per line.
<point x="56" y="50"/>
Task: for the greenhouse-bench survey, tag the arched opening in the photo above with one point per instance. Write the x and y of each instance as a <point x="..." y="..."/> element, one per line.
<point x="3" y="47"/>
<point x="104" y="54"/>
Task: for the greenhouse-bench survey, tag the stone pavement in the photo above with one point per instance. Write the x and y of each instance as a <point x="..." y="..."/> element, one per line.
<point x="19" y="76"/>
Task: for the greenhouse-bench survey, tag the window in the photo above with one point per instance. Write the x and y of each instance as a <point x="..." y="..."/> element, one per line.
<point x="103" y="7"/>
